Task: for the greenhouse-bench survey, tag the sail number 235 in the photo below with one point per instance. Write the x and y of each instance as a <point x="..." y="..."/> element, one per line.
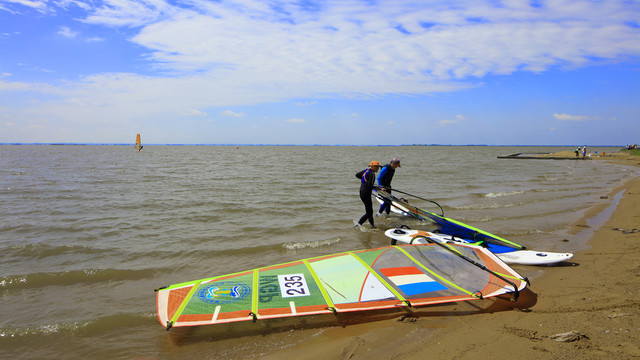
<point x="293" y="285"/>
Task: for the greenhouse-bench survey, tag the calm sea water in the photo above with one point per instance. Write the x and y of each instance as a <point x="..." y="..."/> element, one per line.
<point x="88" y="232"/>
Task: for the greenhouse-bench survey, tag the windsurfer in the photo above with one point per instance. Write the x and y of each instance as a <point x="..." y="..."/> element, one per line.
<point x="367" y="184"/>
<point x="384" y="181"/>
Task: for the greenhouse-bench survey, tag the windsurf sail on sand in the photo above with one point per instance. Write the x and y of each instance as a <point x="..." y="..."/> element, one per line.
<point x="446" y="225"/>
<point x="138" y="145"/>
<point x="381" y="278"/>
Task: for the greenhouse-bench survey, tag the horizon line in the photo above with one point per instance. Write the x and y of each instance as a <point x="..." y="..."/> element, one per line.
<point x="379" y="145"/>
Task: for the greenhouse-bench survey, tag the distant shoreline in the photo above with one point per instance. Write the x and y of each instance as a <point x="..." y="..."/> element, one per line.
<point x="345" y="145"/>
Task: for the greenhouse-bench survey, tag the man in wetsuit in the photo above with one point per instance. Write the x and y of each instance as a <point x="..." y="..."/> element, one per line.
<point x="367" y="183"/>
<point x="384" y="181"/>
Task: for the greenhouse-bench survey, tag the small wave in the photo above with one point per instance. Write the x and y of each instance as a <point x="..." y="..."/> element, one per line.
<point x="310" y="244"/>
<point x="36" y="280"/>
<point x="485" y="206"/>
<point x="86" y="327"/>
<point x="42" y="330"/>
<point x="503" y="193"/>
<point x="41" y="250"/>
<point x="483" y="219"/>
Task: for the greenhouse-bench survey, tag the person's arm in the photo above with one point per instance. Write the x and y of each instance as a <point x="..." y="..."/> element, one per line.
<point x="381" y="175"/>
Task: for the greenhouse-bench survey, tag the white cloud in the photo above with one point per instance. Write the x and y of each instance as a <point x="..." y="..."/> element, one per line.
<point x="42" y="6"/>
<point x="356" y="49"/>
<point x="129" y="13"/>
<point x="308" y="103"/>
<point x="23" y="86"/>
<point x="194" y="112"/>
<point x="445" y="122"/>
<point x="358" y="44"/>
<point x="231" y="113"/>
<point x="568" y="117"/>
<point x="297" y="121"/>
<point x="66" y="32"/>
<point x="34" y="4"/>
<point x="68" y="3"/>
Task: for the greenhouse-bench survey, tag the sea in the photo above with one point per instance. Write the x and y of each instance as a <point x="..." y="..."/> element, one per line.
<point x="87" y="232"/>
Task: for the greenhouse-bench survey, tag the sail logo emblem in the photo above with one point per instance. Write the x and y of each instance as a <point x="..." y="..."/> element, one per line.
<point x="223" y="292"/>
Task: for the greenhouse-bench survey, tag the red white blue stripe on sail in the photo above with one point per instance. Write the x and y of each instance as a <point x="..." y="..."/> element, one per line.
<point x="411" y="280"/>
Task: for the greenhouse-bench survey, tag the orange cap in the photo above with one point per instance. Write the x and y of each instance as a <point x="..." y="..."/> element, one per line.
<point x="374" y="163"/>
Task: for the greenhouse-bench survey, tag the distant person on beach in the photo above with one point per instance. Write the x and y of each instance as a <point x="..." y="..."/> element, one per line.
<point x="577" y="152"/>
<point x="584" y="151"/>
<point x="367" y="183"/>
<point x="384" y="181"/>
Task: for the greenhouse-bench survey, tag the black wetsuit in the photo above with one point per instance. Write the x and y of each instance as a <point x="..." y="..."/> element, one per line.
<point x="384" y="180"/>
<point x="367" y="181"/>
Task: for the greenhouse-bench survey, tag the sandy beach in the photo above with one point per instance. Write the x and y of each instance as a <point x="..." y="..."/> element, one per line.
<point x="586" y="308"/>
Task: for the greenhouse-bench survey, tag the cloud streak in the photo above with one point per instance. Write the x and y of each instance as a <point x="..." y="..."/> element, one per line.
<point x="66" y="32"/>
<point x="568" y="117"/>
<point x="445" y="122"/>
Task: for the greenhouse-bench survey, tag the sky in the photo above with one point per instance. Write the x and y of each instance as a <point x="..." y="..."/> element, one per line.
<point x="332" y="72"/>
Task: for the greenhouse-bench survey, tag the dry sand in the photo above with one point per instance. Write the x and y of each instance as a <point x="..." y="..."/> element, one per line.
<point x="588" y="308"/>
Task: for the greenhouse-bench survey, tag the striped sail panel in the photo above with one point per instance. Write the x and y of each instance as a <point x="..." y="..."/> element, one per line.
<point x="412" y="280"/>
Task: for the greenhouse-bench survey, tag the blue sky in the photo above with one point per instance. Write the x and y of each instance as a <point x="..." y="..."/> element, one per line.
<point x="497" y="72"/>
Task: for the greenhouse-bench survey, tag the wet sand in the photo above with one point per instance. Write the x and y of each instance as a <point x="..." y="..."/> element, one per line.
<point x="587" y="308"/>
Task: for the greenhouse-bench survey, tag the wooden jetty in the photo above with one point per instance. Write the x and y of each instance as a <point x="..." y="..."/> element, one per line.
<point x="541" y="156"/>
